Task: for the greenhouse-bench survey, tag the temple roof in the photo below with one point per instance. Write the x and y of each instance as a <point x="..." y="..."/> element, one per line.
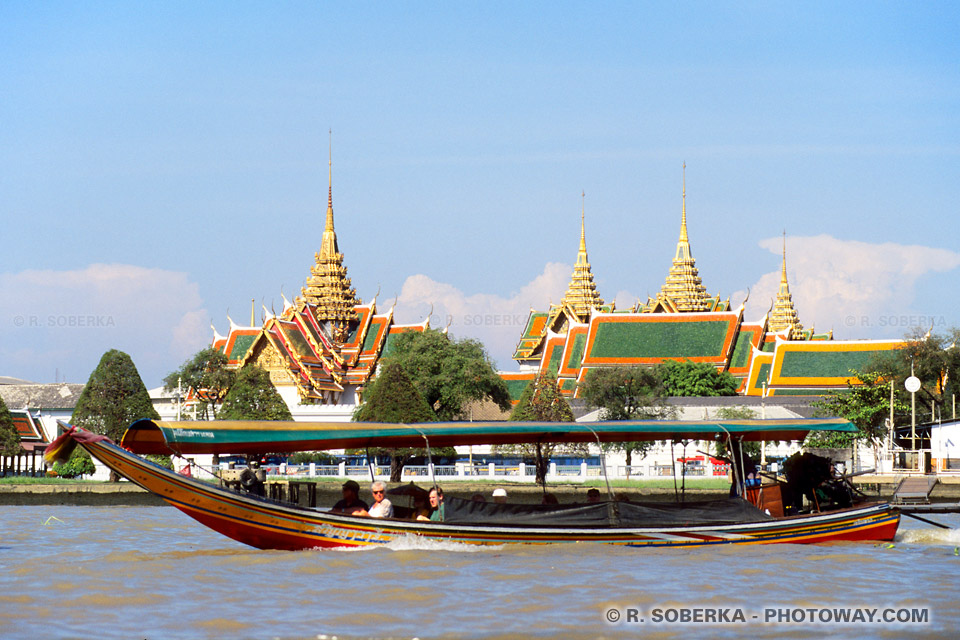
<point x="784" y="316"/>
<point x="581" y="295"/>
<point x="683" y="290"/>
<point x="328" y="288"/>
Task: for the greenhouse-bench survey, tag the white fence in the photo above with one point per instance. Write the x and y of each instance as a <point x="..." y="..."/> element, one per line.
<point x="514" y="472"/>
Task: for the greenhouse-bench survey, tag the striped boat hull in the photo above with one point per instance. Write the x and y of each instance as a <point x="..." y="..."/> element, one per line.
<point x="265" y="524"/>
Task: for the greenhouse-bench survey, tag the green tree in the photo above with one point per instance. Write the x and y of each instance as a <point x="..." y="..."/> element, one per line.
<point x="935" y="360"/>
<point x="541" y="402"/>
<point x="206" y="376"/>
<point x="253" y="397"/>
<point x="113" y="397"/>
<point x="625" y="393"/>
<point x="391" y="397"/>
<point x="80" y="463"/>
<point x="866" y="405"/>
<point x="9" y="438"/>
<point x="449" y="373"/>
<point x="687" y="378"/>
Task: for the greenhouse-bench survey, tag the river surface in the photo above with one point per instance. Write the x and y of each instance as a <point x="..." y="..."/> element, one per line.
<point x="152" y="572"/>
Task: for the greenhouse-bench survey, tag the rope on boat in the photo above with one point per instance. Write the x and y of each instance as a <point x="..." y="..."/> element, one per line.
<point x="614" y="510"/>
<point x="733" y="466"/>
<point x="433" y="475"/>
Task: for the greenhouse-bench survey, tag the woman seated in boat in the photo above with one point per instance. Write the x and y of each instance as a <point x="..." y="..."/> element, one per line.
<point x="420" y="509"/>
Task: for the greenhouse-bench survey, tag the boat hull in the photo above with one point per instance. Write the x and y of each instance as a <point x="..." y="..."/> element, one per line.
<point x="265" y="524"/>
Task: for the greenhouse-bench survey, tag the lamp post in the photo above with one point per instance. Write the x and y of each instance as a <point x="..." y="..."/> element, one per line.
<point x="912" y="384"/>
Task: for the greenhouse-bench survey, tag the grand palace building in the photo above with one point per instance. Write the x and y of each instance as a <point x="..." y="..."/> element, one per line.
<point x="324" y="345"/>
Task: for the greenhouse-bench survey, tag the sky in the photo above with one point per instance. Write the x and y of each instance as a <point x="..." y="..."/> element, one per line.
<point x="162" y="164"/>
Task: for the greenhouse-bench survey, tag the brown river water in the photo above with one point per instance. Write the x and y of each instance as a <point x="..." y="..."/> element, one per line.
<point x="152" y="572"/>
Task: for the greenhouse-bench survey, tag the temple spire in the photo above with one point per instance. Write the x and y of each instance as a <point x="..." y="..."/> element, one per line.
<point x="784" y="315"/>
<point x="328" y="244"/>
<point x="328" y="287"/>
<point x="582" y="253"/>
<point x="581" y="295"/>
<point x="683" y="289"/>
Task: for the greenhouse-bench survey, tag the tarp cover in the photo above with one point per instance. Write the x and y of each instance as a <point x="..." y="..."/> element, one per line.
<point x="240" y="437"/>
<point x="632" y="514"/>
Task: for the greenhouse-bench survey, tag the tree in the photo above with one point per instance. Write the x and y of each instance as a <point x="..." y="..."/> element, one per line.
<point x="113" y="398"/>
<point x="625" y="393"/>
<point x="687" y="378"/>
<point x="448" y="373"/>
<point x="78" y="464"/>
<point x="866" y="405"/>
<point x="253" y="397"/>
<point x="541" y="402"/>
<point x="934" y="359"/>
<point x="206" y="376"/>
<point x="392" y="397"/>
<point x="9" y="438"/>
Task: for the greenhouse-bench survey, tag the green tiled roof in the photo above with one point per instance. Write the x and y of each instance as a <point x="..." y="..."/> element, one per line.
<point x="240" y="346"/>
<point x="824" y="364"/>
<point x="516" y="387"/>
<point x="769" y="347"/>
<point x="528" y="331"/>
<point x="370" y="340"/>
<point x="553" y="361"/>
<point x="690" y="339"/>
<point x="763" y="375"/>
<point x="576" y="351"/>
<point x="797" y="392"/>
<point x="743" y="348"/>
<point x="567" y="384"/>
<point x="296" y="339"/>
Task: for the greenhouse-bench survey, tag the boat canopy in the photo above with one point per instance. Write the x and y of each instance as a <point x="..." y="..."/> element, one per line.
<point x="251" y="437"/>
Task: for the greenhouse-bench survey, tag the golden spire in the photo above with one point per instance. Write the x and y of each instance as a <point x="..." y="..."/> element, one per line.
<point x="328" y="245"/>
<point x="683" y="286"/>
<point x="328" y="287"/>
<point x="784" y="315"/>
<point x="581" y="295"/>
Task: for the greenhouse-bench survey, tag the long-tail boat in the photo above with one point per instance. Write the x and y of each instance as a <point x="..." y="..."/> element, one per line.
<point x="269" y="524"/>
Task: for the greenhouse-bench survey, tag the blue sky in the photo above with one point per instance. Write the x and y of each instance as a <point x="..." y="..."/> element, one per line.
<point x="163" y="163"/>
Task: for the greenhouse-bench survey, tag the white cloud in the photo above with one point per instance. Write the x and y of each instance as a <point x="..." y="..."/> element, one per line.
<point x="494" y="320"/>
<point x="857" y="288"/>
<point x="65" y="320"/>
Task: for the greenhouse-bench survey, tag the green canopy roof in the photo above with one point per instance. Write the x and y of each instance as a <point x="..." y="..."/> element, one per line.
<point x="243" y="437"/>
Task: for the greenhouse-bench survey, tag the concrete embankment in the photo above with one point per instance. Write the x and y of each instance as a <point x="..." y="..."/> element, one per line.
<point x="82" y="495"/>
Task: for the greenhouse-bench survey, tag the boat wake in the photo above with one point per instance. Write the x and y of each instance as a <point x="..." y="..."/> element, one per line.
<point x="412" y="542"/>
<point x="929" y="536"/>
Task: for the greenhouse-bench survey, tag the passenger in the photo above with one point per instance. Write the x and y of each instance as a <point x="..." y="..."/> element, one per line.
<point x="382" y="508"/>
<point x="478" y="497"/>
<point x="436" y="504"/>
<point x="500" y="496"/>
<point x="420" y="509"/>
<point x="593" y="495"/>
<point x="549" y="498"/>
<point x="351" y="504"/>
<point x="252" y="479"/>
